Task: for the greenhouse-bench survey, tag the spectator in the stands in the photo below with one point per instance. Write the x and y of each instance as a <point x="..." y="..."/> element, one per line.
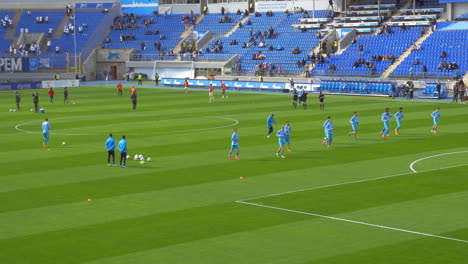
<point x="238" y="12"/>
<point x="391" y="58"/>
<point x="423" y="31"/>
<point x="416" y="61"/>
<point x="249" y="22"/>
<point x="57" y="49"/>
<point x="443" y="65"/>
<point x="296" y="50"/>
<point x="261" y="44"/>
<point x="287" y="12"/>
<point x="403" y="27"/>
<point x="456" y="75"/>
<point x="51" y="30"/>
<point x="233" y="42"/>
<point x="444" y="54"/>
<point x="162" y="37"/>
<point x="142" y="46"/>
<point x="356" y="64"/>
<point x="222" y="10"/>
<point x="324" y="47"/>
<point x="332" y="68"/>
<point x="453" y="66"/>
<point x="299" y="64"/>
<point x="279" y="47"/>
<point x="361" y="48"/>
<point x="270" y="48"/>
<point x="424" y="70"/>
<point x="257" y="14"/>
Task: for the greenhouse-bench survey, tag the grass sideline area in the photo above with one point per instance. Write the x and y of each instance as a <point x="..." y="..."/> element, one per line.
<point x="354" y="203"/>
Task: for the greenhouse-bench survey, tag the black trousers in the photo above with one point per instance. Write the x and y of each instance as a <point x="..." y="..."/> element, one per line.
<point x="123" y="158"/>
<point x="111" y="153"/>
<point x="134" y="102"/>
<point x="270" y="129"/>
<point x="36" y="107"/>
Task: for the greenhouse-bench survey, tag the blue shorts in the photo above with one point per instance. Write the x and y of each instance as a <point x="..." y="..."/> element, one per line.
<point x="436" y="122"/>
<point x="281" y="142"/>
<point x="287" y="139"/>
<point x="46" y="134"/>
<point x="234" y="147"/>
<point x="330" y="135"/>
<point x="386" y="125"/>
<point x="354" y="126"/>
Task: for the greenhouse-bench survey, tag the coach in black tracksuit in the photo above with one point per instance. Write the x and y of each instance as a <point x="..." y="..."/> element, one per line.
<point x="134" y="100"/>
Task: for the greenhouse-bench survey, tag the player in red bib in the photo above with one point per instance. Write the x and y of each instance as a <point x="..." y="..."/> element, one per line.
<point x="211" y="93"/>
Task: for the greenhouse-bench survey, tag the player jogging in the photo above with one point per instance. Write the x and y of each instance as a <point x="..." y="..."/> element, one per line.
<point x="45" y="132"/>
<point x="123" y="152"/>
<point x="321" y="99"/>
<point x="354" y="124"/>
<point x="51" y="95"/>
<point x="223" y="89"/>
<point x="295" y="96"/>
<point x="186" y="85"/>
<point x="281" y="134"/>
<point x="398" y="115"/>
<point x="304" y="99"/>
<point x="435" y="116"/>
<point x="110" y="146"/>
<point x="270" y="122"/>
<point x="234" y="144"/>
<point x="386" y="122"/>
<point x="328" y="129"/>
<point x="287" y="135"/>
<point x="211" y="93"/>
<point x="119" y="89"/>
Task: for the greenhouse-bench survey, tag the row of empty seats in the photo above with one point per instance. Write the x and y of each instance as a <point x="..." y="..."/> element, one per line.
<point x="356" y="87"/>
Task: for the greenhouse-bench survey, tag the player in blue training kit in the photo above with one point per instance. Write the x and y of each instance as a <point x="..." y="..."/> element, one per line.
<point x="328" y="128"/>
<point x="287" y="137"/>
<point x="354" y="124"/>
<point x="386" y="121"/>
<point x="123" y="152"/>
<point x="399" y="115"/>
<point x="270" y="122"/>
<point x="234" y="144"/>
<point x="435" y="116"/>
<point x="110" y="146"/>
<point x="45" y="132"/>
<point x="281" y="136"/>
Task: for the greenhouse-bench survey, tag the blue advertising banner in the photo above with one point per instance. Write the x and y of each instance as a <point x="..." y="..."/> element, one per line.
<point x="20" y="86"/>
<point x="229" y="84"/>
<point x="33" y="64"/>
<point x="94" y="5"/>
<point x="141" y="7"/>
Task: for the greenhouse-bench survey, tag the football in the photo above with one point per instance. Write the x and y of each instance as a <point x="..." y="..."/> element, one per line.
<point x="128" y="156"/>
<point x="149" y="159"/>
<point x="136" y="157"/>
<point x="64" y="143"/>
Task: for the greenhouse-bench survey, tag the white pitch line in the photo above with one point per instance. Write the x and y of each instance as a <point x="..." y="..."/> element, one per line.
<point x="235" y="122"/>
<point x="355" y="222"/>
<point x="346" y="183"/>
<point x="433" y="156"/>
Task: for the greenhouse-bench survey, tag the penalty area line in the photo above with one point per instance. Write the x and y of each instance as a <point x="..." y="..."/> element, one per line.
<point x="354" y="222"/>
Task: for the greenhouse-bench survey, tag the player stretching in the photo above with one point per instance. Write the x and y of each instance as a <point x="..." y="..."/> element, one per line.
<point x="45" y="132"/>
<point x="399" y="115"/>
<point x="435" y="116"/>
<point x="386" y="121"/>
<point x="321" y="98"/>
<point x="186" y="85"/>
<point x="211" y="93"/>
<point x="328" y="128"/>
<point x="270" y="122"/>
<point x="295" y="96"/>
<point x="234" y="144"/>
<point x="287" y="135"/>
<point x="354" y="124"/>
<point x="281" y="136"/>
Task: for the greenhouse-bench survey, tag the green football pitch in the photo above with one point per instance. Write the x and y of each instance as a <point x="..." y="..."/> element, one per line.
<point x="399" y="200"/>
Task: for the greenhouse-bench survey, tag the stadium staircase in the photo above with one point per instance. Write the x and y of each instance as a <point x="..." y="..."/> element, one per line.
<point x="405" y="55"/>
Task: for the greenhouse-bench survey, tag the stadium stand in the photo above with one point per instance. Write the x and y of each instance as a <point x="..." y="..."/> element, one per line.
<point x="165" y="29"/>
<point x="30" y="21"/>
<point x="382" y="45"/>
<point x="451" y="41"/>
<point x="462" y="17"/>
<point x="281" y="46"/>
<point x="5" y="43"/>
<point x="216" y="23"/>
